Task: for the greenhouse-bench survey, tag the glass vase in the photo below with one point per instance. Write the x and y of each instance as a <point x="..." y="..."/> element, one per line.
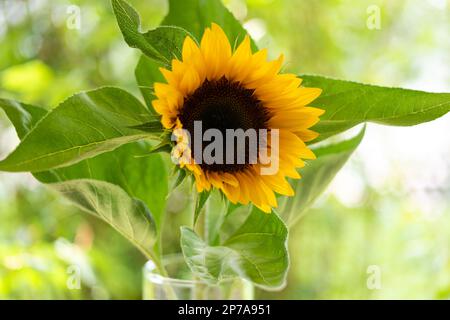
<point x="181" y="285"/>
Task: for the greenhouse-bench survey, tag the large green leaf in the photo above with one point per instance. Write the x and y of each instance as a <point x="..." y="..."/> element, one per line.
<point x="110" y="203"/>
<point x="256" y="251"/>
<point x="141" y="178"/>
<point x="82" y="127"/>
<point x="316" y="176"/>
<point x="161" y="44"/>
<point x="349" y="103"/>
<point x="144" y="178"/>
<point x="196" y="15"/>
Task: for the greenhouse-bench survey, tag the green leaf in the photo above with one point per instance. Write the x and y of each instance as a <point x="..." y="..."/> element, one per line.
<point x="349" y="103"/>
<point x="82" y="127"/>
<point x="22" y="115"/>
<point x="316" y="176"/>
<point x="145" y="179"/>
<point x="110" y="203"/>
<point x="196" y="15"/>
<point x="161" y="44"/>
<point x="256" y="251"/>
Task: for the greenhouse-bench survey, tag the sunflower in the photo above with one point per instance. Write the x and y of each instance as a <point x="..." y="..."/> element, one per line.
<point x="226" y="89"/>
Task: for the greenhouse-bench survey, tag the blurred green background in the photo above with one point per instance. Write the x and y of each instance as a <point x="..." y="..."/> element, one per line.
<point x="387" y="210"/>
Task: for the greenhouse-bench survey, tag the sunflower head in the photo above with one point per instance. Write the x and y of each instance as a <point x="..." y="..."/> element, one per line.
<point x="237" y="94"/>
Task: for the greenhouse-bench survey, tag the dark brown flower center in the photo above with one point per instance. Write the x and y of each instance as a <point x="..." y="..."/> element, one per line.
<point x="223" y="105"/>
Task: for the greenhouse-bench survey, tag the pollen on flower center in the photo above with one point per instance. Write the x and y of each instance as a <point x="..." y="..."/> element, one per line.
<point x="222" y="105"/>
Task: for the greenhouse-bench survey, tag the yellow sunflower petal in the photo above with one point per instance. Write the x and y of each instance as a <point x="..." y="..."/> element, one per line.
<point x="192" y="55"/>
<point x="216" y="50"/>
<point x="190" y="81"/>
<point x="306" y="134"/>
<point x="231" y="192"/>
<point x="238" y="65"/>
<point x="263" y="74"/>
<point x="296" y="118"/>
